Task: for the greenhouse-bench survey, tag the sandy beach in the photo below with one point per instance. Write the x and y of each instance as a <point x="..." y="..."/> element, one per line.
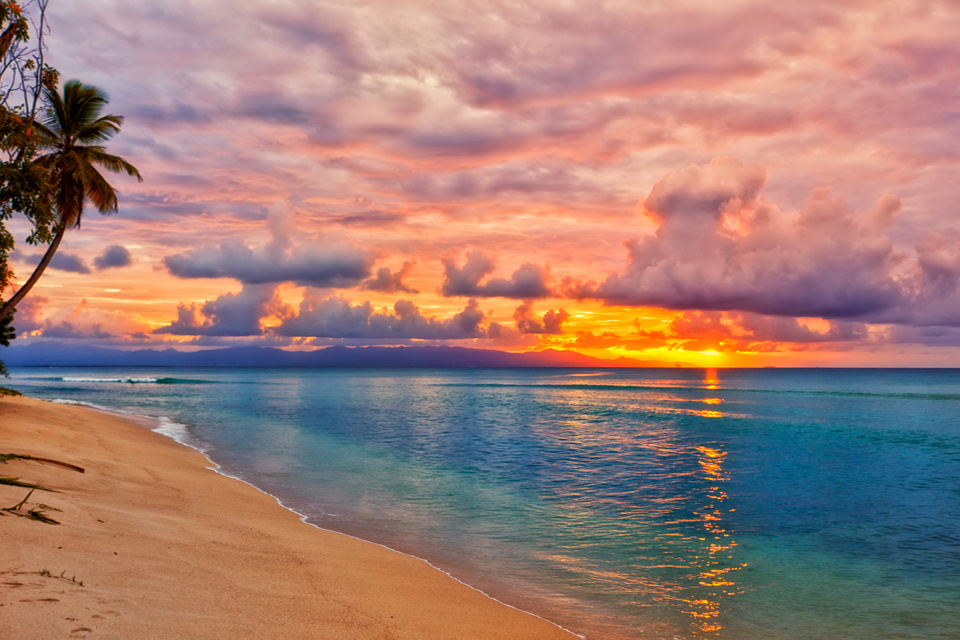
<point x="167" y="548"/>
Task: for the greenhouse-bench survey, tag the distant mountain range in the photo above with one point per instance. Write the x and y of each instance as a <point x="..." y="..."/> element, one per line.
<point x="48" y="354"/>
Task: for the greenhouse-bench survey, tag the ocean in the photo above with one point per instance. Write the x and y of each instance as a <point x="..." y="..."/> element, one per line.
<point x="621" y="504"/>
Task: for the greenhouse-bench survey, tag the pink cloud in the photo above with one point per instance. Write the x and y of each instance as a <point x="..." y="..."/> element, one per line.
<point x="720" y="246"/>
<point x="84" y="322"/>
<point x="551" y="323"/>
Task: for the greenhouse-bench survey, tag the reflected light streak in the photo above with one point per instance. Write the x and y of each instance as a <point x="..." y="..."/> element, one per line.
<point x="715" y="580"/>
<point x="710" y="380"/>
<point x="708" y="414"/>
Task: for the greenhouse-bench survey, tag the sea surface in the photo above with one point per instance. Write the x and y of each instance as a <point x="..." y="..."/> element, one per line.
<point x="621" y="504"/>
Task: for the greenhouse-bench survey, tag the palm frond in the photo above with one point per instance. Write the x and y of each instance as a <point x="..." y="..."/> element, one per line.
<point x="55" y="118"/>
<point x="46" y="137"/>
<point x="98" y="190"/>
<point x="100" y="130"/>
<point x="72" y="131"/>
<point x="113" y="163"/>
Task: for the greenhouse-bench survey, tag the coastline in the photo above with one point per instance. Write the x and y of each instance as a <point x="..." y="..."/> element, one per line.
<point x="167" y="547"/>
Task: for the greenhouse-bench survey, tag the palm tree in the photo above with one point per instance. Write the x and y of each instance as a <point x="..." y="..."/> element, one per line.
<point x="73" y="131"/>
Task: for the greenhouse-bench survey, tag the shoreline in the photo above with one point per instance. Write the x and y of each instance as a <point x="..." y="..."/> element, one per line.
<point x="373" y="591"/>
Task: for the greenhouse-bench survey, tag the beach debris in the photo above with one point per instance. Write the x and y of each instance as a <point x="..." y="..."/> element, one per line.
<point x="17" y="482"/>
<point x="63" y="576"/>
<point x="5" y="457"/>
<point x="39" y="513"/>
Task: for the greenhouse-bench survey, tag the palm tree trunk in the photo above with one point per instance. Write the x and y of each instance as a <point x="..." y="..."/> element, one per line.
<point x="11" y="304"/>
<point x="6" y="40"/>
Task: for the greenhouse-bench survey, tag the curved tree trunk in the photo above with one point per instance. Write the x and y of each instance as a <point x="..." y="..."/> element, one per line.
<point x="11" y="304"/>
<point x="7" y="39"/>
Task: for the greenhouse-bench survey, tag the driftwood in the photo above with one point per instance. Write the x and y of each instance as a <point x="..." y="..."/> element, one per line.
<point x="4" y="457"/>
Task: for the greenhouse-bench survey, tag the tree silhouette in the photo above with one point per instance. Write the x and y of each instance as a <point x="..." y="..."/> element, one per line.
<point x="73" y="132"/>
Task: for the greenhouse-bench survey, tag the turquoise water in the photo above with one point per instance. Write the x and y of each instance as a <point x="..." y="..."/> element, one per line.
<point x="781" y="504"/>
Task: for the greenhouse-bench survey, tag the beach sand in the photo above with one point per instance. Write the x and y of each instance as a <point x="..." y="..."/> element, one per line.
<point x="166" y="548"/>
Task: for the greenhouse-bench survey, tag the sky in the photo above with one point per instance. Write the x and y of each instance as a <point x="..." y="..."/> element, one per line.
<point x="716" y="183"/>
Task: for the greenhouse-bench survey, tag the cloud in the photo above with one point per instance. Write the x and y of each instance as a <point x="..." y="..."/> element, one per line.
<point x="389" y="282"/>
<point x="504" y="337"/>
<point x="336" y="317"/>
<point x="781" y="329"/>
<point x="516" y="179"/>
<point x="591" y="340"/>
<point x="317" y="264"/>
<point x="701" y="331"/>
<point x="714" y="330"/>
<point x="601" y="56"/>
<point x="29" y="316"/>
<point x="83" y="322"/>
<point x="67" y="329"/>
<point x="61" y="261"/>
<point x="113" y="257"/>
<point x="232" y="314"/>
<point x="527" y="282"/>
<point x="721" y="247"/>
<point x="936" y="281"/>
<point x="551" y="323"/>
<point x="930" y="336"/>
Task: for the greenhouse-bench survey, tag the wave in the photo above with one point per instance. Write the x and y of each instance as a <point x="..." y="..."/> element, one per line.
<point x="130" y="380"/>
<point x="136" y="380"/>
<point x="176" y="431"/>
<point x="98" y="407"/>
